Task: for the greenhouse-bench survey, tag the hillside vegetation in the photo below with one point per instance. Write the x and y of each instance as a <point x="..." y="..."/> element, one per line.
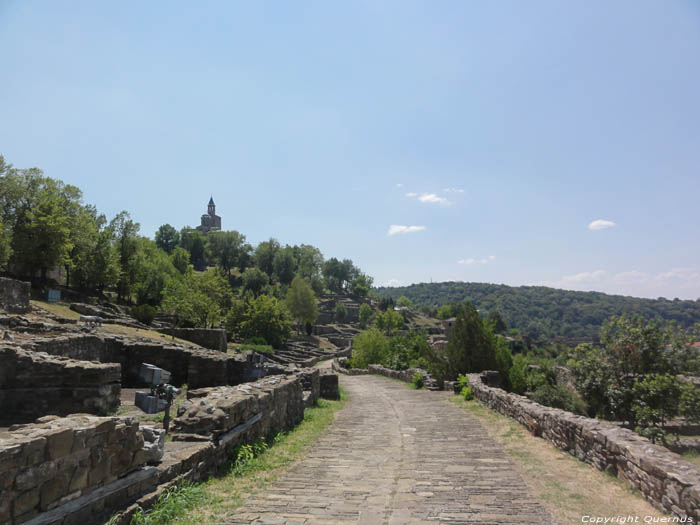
<point x="546" y="313"/>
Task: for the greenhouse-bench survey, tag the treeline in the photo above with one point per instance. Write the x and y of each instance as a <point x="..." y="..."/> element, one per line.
<point x="545" y="314"/>
<point x="203" y="279"/>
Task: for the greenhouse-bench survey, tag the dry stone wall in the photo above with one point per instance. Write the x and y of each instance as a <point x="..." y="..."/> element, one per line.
<point x="14" y="295"/>
<point x="34" y="384"/>
<point x="664" y="478"/>
<point x="58" y="460"/>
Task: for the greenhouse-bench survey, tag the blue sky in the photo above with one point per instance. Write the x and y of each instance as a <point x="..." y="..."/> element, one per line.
<point x="490" y="134"/>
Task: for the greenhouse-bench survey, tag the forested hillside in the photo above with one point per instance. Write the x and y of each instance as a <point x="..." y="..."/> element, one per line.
<point x="546" y="313"/>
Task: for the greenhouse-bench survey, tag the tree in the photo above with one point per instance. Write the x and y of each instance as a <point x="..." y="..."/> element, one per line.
<point x="517" y="375"/>
<point x="198" y="301"/>
<point x="496" y="322"/>
<point x="369" y="347"/>
<point x="470" y="348"/>
<point x="266" y="317"/>
<point x="264" y="255"/>
<point x="167" y="238"/>
<point x="125" y="231"/>
<point x="227" y="249"/>
<point x="310" y="261"/>
<point x="5" y="245"/>
<point x="656" y="402"/>
<point x="364" y="315"/>
<point x="404" y="302"/>
<point x="340" y="312"/>
<point x="360" y="285"/>
<point x="285" y="265"/>
<point x="389" y="322"/>
<point x="301" y="302"/>
<point x="153" y="270"/>
<point x="196" y="244"/>
<point x="254" y="280"/>
<point x="180" y="259"/>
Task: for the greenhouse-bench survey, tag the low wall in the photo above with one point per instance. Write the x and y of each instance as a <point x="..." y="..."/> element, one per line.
<point x="664" y="478"/>
<point x="197" y="367"/>
<point x="329" y="388"/>
<point x="59" y="460"/>
<point x="338" y="365"/>
<point x="34" y="384"/>
<point x="212" y="338"/>
<point x="14" y="295"/>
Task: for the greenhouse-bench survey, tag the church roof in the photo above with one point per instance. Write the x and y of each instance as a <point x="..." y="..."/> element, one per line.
<point x="211" y="201"/>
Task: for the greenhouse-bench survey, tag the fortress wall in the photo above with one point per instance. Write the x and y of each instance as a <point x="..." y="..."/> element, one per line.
<point x="664" y="478"/>
<point x="212" y="338"/>
<point x="58" y="460"/>
<point x="14" y="295"/>
<point x="34" y="384"/>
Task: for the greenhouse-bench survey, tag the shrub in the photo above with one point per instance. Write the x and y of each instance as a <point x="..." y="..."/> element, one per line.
<point x="467" y="393"/>
<point x="417" y="381"/>
<point x="143" y="313"/>
<point x="340" y="312"/>
<point x="558" y="397"/>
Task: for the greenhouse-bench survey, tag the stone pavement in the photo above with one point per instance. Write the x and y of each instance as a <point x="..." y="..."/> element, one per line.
<point x="395" y="456"/>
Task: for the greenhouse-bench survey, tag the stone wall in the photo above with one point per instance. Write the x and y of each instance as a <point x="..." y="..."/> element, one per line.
<point x="329" y="385"/>
<point x="34" y="384"/>
<point x="338" y="365"/>
<point x="664" y="478"/>
<point x="212" y="338"/>
<point x="58" y="460"/>
<point x="196" y="367"/>
<point x="14" y="295"/>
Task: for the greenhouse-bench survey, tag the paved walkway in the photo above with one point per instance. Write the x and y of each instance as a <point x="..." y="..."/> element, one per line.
<point x="395" y="456"/>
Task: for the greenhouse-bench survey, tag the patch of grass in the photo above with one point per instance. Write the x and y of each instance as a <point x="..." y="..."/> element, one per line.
<point x="568" y="487"/>
<point x="171" y="504"/>
<point x="58" y="309"/>
<point x="252" y="468"/>
<point x="693" y="456"/>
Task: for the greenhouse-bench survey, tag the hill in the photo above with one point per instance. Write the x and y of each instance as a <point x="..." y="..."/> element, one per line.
<point x="547" y="313"/>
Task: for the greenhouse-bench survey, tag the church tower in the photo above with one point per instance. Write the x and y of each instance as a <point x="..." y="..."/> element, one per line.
<point x="210" y="220"/>
<point x="211" y="209"/>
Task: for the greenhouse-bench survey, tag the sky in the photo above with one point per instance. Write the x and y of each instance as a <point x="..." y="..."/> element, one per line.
<point x="542" y="142"/>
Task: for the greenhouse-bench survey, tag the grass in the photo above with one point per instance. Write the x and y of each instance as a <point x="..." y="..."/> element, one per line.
<point x="252" y="468"/>
<point x="568" y="487"/>
<point x="693" y="456"/>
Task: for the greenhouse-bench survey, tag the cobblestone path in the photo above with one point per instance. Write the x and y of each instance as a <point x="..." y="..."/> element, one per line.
<point x="394" y="456"/>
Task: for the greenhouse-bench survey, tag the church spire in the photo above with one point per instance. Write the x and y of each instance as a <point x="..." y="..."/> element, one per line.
<point x="211" y="209"/>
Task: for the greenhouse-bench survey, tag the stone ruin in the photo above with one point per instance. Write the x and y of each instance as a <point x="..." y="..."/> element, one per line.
<point x="65" y="457"/>
<point x="14" y="295"/>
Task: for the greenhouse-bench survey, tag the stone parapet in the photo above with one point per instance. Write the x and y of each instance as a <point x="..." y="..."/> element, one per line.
<point x="57" y="460"/>
<point x="212" y="338"/>
<point x="662" y="477"/>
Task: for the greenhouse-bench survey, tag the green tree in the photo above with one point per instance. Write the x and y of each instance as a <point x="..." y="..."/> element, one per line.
<point x="364" y="315"/>
<point x="264" y="256"/>
<point x="404" y="302"/>
<point x="285" y="265"/>
<point x="369" y="347"/>
<point x="180" y="259"/>
<point x="198" y="301"/>
<point x="656" y="402"/>
<point x="517" y="375"/>
<point x="266" y="317"/>
<point x="340" y="312"/>
<point x="301" y="302"/>
<point x="498" y="325"/>
<point x="360" y="285"/>
<point x="126" y="234"/>
<point x="5" y="245"/>
<point x="196" y="244"/>
<point x="153" y="270"/>
<point x="254" y="280"/>
<point x="167" y="238"/>
<point x="227" y="249"/>
<point x="389" y="321"/>
<point x="470" y="348"/>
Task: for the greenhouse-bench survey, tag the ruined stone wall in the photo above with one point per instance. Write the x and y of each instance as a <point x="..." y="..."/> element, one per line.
<point x="664" y="478"/>
<point x="58" y="460"/>
<point x="34" y="384"/>
<point x="195" y="366"/>
<point x="212" y="338"/>
<point x="329" y="388"/>
<point x="14" y="295"/>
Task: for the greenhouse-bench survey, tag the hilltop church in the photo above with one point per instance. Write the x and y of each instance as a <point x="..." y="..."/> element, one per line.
<point x="211" y="222"/>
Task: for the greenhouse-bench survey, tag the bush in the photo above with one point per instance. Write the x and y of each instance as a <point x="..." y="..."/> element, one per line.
<point x="467" y="393"/>
<point x="558" y="397"/>
<point x="417" y="381"/>
<point x="340" y="312"/>
<point x="144" y="313"/>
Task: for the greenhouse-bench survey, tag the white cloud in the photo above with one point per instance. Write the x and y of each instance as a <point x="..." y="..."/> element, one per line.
<point x="392" y="282"/>
<point x="399" y="185"/>
<point x="453" y="190"/>
<point x="585" y="277"/>
<point x="601" y="224"/>
<point x="400" y="229"/>
<point x="432" y="198"/>
<point x="472" y="260"/>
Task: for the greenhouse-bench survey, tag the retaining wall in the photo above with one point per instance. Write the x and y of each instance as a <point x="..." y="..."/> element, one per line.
<point x="197" y="367"/>
<point x="34" y="384"/>
<point x="212" y="338"/>
<point x="59" y="460"/>
<point x="664" y="478"/>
